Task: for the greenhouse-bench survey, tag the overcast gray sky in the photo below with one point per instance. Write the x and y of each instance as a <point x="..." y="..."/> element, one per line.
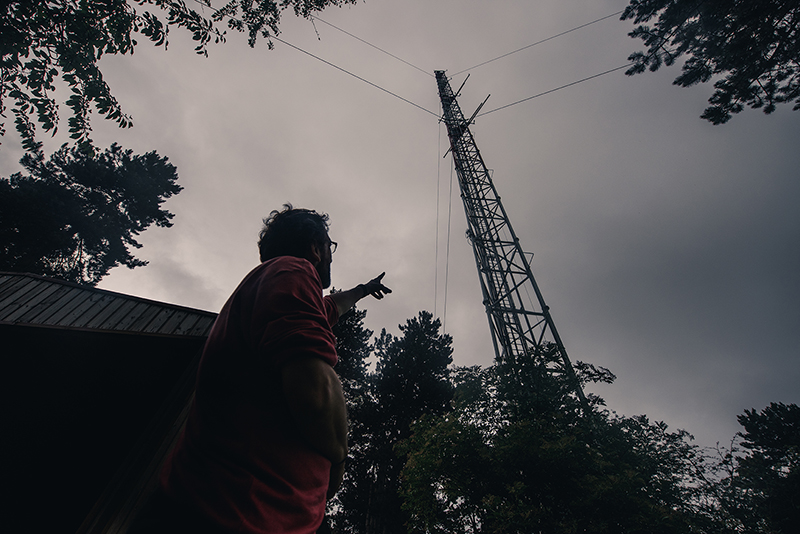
<point x="667" y="248"/>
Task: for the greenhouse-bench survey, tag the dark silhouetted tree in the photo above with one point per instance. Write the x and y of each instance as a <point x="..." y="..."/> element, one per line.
<point x="771" y="467"/>
<point x="542" y="463"/>
<point x="751" y="48"/>
<point x="759" y="492"/>
<point x="411" y="380"/>
<point x="354" y="349"/>
<point x="41" y="42"/>
<point x="76" y="215"/>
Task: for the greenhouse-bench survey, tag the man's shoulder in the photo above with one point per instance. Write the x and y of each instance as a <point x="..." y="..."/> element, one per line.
<point x="284" y="266"/>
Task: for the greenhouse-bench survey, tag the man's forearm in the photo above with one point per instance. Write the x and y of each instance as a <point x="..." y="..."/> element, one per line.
<point x="347" y="299"/>
<point x="316" y="401"/>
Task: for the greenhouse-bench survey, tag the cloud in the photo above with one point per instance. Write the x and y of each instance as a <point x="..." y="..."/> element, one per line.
<point x="665" y="247"/>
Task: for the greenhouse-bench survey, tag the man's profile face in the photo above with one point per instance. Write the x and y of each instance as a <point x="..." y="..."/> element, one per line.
<point x="324" y="264"/>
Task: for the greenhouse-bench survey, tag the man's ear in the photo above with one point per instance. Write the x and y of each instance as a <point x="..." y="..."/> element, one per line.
<point x="314" y="254"/>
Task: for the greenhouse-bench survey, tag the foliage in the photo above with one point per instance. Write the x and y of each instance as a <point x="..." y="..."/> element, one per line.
<point x="752" y="49"/>
<point x="354" y="349"/>
<point x="544" y="464"/>
<point x="510" y="449"/>
<point x="76" y="215"/>
<point x="412" y="371"/>
<point x="41" y="42"/>
<point x="410" y="380"/>
<point x="771" y="468"/>
<point x="527" y="385"/>
<point x="760" y="489"/>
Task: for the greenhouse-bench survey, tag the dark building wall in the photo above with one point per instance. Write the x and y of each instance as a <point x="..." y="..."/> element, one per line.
<point x="75" y="403"/>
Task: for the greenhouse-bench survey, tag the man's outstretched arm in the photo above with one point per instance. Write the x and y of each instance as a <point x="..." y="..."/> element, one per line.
<point x="347" y="299"/>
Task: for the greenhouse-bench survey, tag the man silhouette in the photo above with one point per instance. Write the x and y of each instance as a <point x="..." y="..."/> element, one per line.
<point x="265" y="443"/>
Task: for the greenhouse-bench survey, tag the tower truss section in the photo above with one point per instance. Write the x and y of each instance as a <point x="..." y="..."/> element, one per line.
<point x="519" y="320"/>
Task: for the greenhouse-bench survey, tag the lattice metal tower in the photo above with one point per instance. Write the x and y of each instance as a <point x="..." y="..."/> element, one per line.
<point x="519" y="320"/>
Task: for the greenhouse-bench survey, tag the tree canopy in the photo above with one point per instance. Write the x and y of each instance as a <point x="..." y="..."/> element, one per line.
<point x="76" y="215"/>
<point x="750" y="48"/>
<point x="506" y="461"/>
<point x="41" y="42"/>
<point x="409" y="381"/>
<point x="509" y="449"/>
<point x="760" y="491"/>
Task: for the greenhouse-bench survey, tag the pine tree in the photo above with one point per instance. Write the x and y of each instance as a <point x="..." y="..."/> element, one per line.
<point x="411" y="380"/>
<point x="354" y="349"/>
<point x="76" y="215"/>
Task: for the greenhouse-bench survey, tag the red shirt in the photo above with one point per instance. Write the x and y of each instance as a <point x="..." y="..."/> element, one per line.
<point x="240" y="460"/>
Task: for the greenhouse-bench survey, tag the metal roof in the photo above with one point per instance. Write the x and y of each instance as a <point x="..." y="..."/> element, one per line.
<point x="29" y="299"/>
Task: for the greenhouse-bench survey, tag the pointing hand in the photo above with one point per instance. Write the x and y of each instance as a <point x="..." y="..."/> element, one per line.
<point x="375" y="288"/>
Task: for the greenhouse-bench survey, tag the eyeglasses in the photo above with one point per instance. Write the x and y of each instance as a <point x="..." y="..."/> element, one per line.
<point x="334" y="246"/>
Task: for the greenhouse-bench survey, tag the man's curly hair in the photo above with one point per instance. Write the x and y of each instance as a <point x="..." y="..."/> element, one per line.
<point x="291" y="232"/>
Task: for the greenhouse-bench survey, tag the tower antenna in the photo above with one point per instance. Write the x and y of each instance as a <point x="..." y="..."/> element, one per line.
<point x="521" y="332"/>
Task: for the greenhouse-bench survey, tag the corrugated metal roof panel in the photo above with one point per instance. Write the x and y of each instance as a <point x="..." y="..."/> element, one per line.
<point x="203" y="324"/>
<point x="51" y="295"/>
<point x="126" y="321"/>
<point x="158" y="321"/>
<point x="7" y="292"/>
<point x="111" y="322"/>
<point x="90" y="309"/>
<point x="174" y="321"/>
<point x="14" y="291"/>
<point x="28" y="299"/>
<point x="66" y="304"/>
<point x="186" y="325"/>
<point x="102" y="316"/>
<point x="33" y="305"/>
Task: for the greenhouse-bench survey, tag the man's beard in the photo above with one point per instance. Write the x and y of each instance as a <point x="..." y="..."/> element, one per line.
<point x="324" y="271"/>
